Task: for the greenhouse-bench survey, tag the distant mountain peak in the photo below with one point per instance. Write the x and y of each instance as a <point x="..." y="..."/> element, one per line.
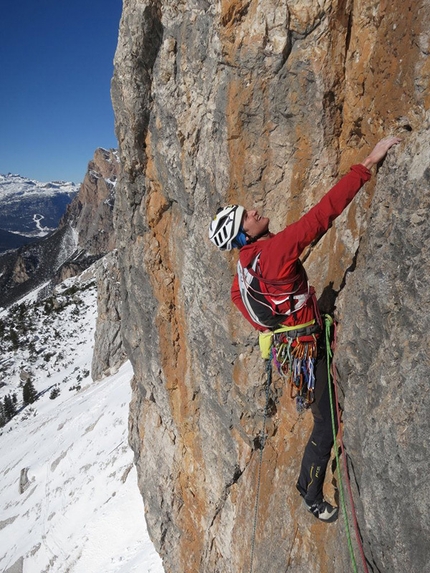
<point x="30" y="207"/>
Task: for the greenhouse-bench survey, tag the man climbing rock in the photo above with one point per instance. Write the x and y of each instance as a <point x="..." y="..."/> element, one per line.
<point x="272" y="292"/>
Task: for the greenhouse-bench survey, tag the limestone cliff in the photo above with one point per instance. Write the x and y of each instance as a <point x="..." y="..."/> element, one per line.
<point x="384" y="364"/>
<point x="267" y="103"/>
<point x="108" y="354"/>
<point x="90" y="213"/>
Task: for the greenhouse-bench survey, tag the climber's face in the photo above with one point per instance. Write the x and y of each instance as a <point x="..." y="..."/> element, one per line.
<point x="254" y="224"/>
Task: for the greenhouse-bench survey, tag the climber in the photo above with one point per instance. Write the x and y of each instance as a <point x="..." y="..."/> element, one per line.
<point x="271" y="290"/>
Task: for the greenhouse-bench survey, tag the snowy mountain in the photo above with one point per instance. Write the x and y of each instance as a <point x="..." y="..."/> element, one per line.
<point x="69" y="499"/>
<point x="85" y="232"/>
<point x="32" y="208"/>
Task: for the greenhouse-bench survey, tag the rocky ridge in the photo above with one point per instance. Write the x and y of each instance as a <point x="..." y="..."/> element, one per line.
<point x="268" y="104"/>
<point x="90" y="213"/>
<point x="84" y="234"/>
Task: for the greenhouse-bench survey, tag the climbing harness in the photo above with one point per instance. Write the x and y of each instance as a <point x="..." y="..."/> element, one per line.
<point x="262" y="442"/>
<point x="293" y="348"/>
<point x="337" y="439"/>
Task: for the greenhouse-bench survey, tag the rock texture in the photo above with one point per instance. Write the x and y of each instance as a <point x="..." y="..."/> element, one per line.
<point x="384" y="365"/>
<point x="90" y="213"/>
<point x="267" y="103"/>
<point x="109" y="353"/>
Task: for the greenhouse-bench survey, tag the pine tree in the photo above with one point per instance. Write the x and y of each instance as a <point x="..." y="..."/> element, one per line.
<point x="14" y="338"/>
<point x="29" y="394"/>
<point x="55" y="392"/>
<point x="9" y="408"/>
<point x="2" y="415"/>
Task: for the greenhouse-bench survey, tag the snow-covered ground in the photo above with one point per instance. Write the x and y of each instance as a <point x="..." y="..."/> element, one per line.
<point x="13" y="186"/>
<point x="69" y="500"/>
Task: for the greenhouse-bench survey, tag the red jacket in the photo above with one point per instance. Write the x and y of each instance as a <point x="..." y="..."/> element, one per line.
<point x="279" y="255"/>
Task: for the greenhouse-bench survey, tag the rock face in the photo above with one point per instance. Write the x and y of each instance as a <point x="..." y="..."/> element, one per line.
<point x="109" y="352"/>
<point x="384" y="364"/>
<point x="90" y="213"/>
<point x="267" y="104"/>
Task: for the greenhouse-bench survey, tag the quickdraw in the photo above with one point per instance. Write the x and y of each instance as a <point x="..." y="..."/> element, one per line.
<point x="294" y="357"/>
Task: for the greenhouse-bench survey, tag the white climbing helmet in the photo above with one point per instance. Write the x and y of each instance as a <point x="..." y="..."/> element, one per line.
<point x="226" y="226"/>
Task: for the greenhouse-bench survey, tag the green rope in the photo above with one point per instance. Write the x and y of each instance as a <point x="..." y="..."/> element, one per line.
<point x="262" y="444"/>
<point x="328" y="325"/>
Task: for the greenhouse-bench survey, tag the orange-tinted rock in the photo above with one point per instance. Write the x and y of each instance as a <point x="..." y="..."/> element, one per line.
<point x="267" y="104"/>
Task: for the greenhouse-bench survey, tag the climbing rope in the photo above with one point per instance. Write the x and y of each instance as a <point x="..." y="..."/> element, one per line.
<point x="262" y="444"/>
<point x="328" y="325"/>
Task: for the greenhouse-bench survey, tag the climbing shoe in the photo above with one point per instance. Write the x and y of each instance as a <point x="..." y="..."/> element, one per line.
<point x="322" y="510"/>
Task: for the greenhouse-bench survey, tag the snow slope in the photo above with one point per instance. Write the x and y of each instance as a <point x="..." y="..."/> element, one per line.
<point x="13" y="186"/>
<point x="69" y="500"/>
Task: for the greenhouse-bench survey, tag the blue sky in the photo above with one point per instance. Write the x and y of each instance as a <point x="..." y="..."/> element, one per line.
<point x="56" y="64"/>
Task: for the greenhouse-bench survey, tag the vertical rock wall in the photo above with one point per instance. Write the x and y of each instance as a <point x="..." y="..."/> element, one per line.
<point x="90" y="212"/>
<point x="109" y="353"/>
<point x="264" y="103"/>
<point x="384" y="365"/>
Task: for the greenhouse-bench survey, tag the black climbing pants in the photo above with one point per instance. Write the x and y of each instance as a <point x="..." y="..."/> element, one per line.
<point x="318" y="449"/>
